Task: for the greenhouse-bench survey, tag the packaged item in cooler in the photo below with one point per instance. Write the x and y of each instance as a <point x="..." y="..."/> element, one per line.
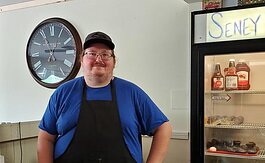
<point x="231" y="78"/>
<point x="243" y="73"/>
<point x="233" y="147"/>
<point x="225" y="120"/>
<point x="217" y="78"/>
<point x="238" y="120"/>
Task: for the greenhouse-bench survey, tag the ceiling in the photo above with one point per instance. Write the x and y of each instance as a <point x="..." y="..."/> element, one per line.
<point x="9" y="2"/>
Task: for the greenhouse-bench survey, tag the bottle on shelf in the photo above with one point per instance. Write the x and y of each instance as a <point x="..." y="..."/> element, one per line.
<point x="231" y="78"/>
<point x="217" y="78"/>
<point x="243" y="73"/>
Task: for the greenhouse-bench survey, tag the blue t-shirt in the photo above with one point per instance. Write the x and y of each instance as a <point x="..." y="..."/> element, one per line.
<point x="138" y="113"/>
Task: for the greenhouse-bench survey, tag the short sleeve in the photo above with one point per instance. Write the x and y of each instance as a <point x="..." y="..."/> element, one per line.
<point x="48" y="121"/>
<point x="149" y="115"/>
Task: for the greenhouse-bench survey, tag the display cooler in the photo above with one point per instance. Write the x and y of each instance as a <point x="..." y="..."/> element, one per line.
<point x="228" y="85"/>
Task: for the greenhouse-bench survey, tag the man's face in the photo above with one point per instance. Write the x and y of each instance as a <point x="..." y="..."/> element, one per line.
<point x="98" y="61"/>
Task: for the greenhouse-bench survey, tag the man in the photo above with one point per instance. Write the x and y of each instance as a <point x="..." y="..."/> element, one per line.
<point x="99" y="117"/>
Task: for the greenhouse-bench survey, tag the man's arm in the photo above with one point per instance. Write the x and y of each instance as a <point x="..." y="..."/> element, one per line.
<point x="160" y="143"/>
<point x="45" y="147"/>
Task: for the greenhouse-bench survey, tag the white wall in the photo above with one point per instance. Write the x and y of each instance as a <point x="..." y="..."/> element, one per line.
<point x="152" y="47"/>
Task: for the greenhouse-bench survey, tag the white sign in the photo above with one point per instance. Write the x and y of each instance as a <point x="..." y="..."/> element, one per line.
<point x="236" y="25"/>
<point x="221" y="97"/>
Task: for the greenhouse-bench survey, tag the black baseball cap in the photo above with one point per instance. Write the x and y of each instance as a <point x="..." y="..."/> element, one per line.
<point x="98" y="37"/>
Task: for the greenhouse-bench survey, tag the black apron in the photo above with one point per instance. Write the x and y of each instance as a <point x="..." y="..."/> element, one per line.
<point x="98" y="137"/>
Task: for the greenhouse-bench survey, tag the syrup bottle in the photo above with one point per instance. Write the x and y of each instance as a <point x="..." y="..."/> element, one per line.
<point x="231" y="78"/>
<point x="243" y="73"/>
<point x="217" y="79"/>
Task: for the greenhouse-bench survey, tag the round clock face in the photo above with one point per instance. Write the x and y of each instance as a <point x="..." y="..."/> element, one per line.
<point x="53" y="51"/>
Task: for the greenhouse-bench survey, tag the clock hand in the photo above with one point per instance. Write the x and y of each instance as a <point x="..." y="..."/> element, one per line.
<point x="62" y="49"/>
<point x="51" y="51"/>
<point x="51" y="57"/>
<point x="55" y="50"/>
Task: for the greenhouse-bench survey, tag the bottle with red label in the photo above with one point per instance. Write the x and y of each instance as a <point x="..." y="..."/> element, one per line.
<point x="231" y="78"/>
<point x="217" y="79"/>
<point x="243" y="73"/>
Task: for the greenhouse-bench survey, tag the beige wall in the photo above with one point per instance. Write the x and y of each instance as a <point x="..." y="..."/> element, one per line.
<point x="178" y="151"/>
<point x="12" y="153"/>
<point x="11" y="146"/>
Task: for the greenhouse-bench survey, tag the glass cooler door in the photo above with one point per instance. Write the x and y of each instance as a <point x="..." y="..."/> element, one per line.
<point x="234" y="108"/>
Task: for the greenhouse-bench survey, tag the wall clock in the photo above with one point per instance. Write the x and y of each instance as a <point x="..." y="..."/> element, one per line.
<point x="53" y="51"/>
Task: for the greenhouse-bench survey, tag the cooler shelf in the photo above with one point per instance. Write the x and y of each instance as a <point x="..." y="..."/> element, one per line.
<point x="260" y="155"/>
<point x="237" y="92"/>
<point x="241" y="126"/>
